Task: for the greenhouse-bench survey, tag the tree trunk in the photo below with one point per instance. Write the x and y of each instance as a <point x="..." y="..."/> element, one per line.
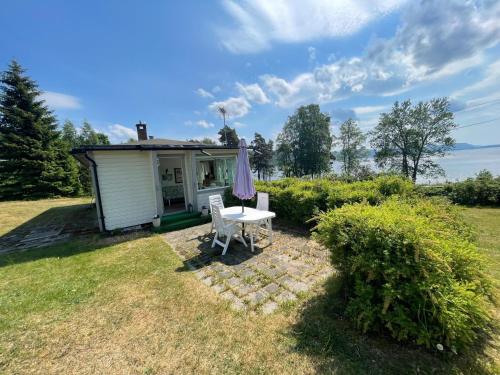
<point x="406" y="172"/>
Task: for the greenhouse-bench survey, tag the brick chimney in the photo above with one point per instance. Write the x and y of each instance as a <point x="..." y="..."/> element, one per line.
<point x="142" y="132"/>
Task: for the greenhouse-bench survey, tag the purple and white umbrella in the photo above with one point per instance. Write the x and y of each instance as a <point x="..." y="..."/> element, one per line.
<point x="243" y="180"/>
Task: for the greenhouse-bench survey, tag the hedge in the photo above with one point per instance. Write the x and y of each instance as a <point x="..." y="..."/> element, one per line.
<point x="483" y="190"/>
<point x="298" y="201"/>
<point x="409" y="267"/>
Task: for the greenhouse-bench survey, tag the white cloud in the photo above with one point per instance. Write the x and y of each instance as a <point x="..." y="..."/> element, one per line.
<point x="204" y="93"/>
<point x="369" y="109"/>
<point x="216" y="89"/>
<point x="253" y="93"/>
<point x="57" y="100"/>
<point x="200" y="123"/>
<point x="290" y="93"/>
<point x="238" y="124"/>
<point x="433" y="41"/>
<point x="234" y="106"/>
<point x="213" y="137"/>
<point x="260" y="23"/>
<point x="118" y="133"/>
<point x="205" y="124"/>
<point x="491" y="80"/>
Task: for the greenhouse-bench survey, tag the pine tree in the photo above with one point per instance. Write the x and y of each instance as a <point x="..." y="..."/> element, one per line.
<point x="261" y="159"/>
<point x="33" y="162"/>
<point x="228" y="136"/>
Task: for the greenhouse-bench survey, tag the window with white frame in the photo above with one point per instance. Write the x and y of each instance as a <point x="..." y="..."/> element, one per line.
<point x="215" y="172"/>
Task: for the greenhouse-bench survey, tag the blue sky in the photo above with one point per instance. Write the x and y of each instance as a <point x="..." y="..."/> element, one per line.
<point x="171" y="64"/>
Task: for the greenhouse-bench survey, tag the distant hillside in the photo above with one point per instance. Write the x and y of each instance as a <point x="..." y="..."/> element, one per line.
<point x="458" y="147"/>
<point x="468" y="146"/>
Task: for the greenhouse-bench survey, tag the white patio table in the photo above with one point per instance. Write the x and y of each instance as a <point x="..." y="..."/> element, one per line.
<point x="250" y="216"/>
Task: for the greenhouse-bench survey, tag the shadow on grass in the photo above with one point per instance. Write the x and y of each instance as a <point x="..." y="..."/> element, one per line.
<point x="75" y="246"/>
<point x="77" y="230"/>
<point x="55" y="225"/>
<point x="324" y="334"/>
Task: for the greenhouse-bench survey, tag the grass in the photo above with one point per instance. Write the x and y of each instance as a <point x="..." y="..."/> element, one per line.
<point x="15" y="213"/>
<point x="487" y="223"/>
<point x="123" y="304"/>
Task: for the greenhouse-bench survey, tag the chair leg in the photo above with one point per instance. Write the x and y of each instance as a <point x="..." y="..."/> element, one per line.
<point x="243" y="240"/>
<point x="215" y="239"/>
<point x="251" y="242"/>
<point x="212" y="226"/>
<point x="270" y="230"/>
<point x="228" y="238"/>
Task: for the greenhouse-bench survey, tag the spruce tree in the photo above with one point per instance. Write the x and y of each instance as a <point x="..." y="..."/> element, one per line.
<point x="33" y="163"/>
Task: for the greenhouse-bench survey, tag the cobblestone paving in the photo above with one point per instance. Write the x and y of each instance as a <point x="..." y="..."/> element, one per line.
<point x="56" y="225"/>
<point x="259" y="281"/>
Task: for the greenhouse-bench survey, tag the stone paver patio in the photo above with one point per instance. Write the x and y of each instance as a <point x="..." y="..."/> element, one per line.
<point x="259" y="281"/>
<point x="56" y="225"/>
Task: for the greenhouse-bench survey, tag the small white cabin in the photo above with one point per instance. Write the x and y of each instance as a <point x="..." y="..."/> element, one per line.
<point x="138" y="181"/>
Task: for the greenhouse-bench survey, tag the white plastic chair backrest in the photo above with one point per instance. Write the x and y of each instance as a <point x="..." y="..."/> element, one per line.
<point x="262" y="201"/>
<point x="218" y="221"/>
<point x="216" y="200"/>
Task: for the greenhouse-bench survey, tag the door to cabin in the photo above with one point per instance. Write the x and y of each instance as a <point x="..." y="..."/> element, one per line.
<point x="171" y="173"/>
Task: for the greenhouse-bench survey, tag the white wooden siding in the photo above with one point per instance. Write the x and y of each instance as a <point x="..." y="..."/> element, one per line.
<point x="127" y="187"/>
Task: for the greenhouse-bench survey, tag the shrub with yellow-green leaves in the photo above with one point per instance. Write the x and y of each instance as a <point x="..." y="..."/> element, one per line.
<point x="298" y="201"/>
<point x="409" y="266"/>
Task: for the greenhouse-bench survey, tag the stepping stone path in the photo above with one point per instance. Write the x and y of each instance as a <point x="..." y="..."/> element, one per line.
<point x="260" y="281"/>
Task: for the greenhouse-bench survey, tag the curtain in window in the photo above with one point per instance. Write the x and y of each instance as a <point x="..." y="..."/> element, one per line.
<point x="219" y="171"/>
<point x="230" y="168"/>
<point x="224" y="169"/>
<point x="201" y="171"/>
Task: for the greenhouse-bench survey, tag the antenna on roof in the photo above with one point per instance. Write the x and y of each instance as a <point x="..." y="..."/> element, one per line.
<point x="223" y="112"/>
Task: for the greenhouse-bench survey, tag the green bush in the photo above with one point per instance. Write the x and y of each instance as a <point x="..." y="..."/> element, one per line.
<point x="484" y="190"/>
<point x="409" y="267"/>
<point x="298" y="201"/>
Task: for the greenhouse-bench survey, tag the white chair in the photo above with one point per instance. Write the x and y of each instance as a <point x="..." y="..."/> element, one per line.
<point x="262" y="201"/>
<point x="224" y="230"/>
<point x="215" y="200"/>
<point x="264" y="226"/>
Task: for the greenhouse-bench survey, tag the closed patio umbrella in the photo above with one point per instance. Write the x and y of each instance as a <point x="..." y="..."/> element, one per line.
<point x="243" y="180"/>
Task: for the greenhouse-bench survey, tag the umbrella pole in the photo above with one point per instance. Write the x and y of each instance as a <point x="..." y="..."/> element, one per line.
<point x="243" y="224"/>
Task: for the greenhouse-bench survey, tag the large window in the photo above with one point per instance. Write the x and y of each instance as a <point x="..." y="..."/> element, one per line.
<point x="215" y="172"/>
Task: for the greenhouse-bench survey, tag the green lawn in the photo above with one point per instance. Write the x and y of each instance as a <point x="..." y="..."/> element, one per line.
<point x="487" y="223"/>
<point x="124" y="304"/>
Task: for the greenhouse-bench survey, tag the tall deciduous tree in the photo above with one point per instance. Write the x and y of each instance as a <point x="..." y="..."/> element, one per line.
<point x="69" y="134"/>
<point x="228" y="136"/>
<point x="352" y="150"/>
<point x="87" y="136"/>
<point x="304" y="145"/>
<point x="409" y="138"/>
<point x="284" y="156"/>
<point x="33" y="160"/>
<point x="261" y="159"/>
